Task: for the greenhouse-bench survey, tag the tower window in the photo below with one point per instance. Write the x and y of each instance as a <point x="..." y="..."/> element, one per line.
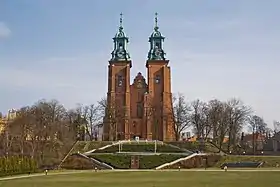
<point x="157" y="80"/>
<point x="139" y="110"/>
<point x="139" y="97"/>
<point x="120" y="80"/>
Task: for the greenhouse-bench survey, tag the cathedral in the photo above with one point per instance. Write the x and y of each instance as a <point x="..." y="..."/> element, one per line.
<point x="143" y="109"/>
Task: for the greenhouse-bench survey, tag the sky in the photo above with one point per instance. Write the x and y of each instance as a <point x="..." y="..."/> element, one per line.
<point x="218" y="49"/>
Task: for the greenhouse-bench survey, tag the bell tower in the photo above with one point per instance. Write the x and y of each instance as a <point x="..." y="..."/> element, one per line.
<point x="116" y="121"/>
<point x="160" y="125"/>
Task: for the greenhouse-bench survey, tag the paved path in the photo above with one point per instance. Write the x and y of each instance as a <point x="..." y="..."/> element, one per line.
<point x="131" y="170"/>
<point x="42" y="174"/>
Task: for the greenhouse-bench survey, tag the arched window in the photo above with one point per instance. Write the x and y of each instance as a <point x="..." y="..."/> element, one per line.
<point x="157" y="79"/>
<point x="120" y="80"/>
<point x="139" y="110"/>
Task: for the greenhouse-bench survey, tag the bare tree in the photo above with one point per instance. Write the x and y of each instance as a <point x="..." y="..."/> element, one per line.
<point x="222" y="123"/>
<point x="215" y="112"/>
<point x="182" y="118"/>
<point x="75" y="124"/>
<point x="276" y="125"/>
<point x="18" y="129"/>
<point x="238" y="116"/>
<point x="268" y="132"/>
<point x="103" y="106"/>
<point x="41" y="130"/>
<point x="257" y="126"/>
<point x="92" y="116"/>
<point x="199" y="119"/>
<point x="114" y="117"/>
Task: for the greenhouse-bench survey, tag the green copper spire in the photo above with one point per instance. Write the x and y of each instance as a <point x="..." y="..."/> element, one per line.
<point x="120" y="52"/>
<point x="156" y="40"/>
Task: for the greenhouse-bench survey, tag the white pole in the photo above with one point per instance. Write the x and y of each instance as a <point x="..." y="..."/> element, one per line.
<point x="155" y="146"/>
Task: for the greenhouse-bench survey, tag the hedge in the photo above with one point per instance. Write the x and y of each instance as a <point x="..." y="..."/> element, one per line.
<point x="17" y="165"/>
<point x="77" y="162"/>
<point x="122" y="161"/>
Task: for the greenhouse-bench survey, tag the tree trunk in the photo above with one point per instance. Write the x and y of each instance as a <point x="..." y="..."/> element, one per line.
<point x="253" y="140"/>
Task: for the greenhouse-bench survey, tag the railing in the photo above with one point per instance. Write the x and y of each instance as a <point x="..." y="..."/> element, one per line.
<point x="179" y="160"/>
<point x="102" y="164"/>
<point x="67" y="154"/>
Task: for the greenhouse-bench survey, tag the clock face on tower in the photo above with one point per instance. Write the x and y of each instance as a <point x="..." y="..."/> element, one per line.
<point x="157" y="53"/>
<point x="120" y="54"/>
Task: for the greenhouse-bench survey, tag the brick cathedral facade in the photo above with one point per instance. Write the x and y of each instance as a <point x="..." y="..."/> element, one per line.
<point x="144" y="108"/>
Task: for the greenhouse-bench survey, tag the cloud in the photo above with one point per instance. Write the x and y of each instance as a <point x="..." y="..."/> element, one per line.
<point x="67" y="79"/>
<point x="4" y="30"/>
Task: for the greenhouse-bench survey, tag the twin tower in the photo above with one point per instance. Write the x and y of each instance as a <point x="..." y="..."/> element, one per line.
<point x="143" y="109"/>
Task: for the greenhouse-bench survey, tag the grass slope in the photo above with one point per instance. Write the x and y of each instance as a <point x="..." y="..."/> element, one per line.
<point x="84" y="146"/>
<point x="152" y="179"/>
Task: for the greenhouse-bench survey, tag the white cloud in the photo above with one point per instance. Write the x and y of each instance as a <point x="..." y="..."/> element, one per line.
<point x="4" y="30"/>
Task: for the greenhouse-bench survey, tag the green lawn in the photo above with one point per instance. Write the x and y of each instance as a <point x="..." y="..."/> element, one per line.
<point x="152" y="179"/>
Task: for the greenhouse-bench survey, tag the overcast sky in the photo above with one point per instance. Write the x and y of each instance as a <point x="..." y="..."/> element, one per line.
<point x="59" y="49"/>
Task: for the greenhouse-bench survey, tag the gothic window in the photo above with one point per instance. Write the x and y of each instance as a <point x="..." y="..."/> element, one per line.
<point x="157" y="79"/>
<point x="139" y="110"/>
<point x="139" y="97"/>
<point x="120" y="80"/>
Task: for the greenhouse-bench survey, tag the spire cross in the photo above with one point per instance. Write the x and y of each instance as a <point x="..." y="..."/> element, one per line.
<point x="121" y="19"/>
<point x="156" y="14"/>
<point x="156" y="20"/>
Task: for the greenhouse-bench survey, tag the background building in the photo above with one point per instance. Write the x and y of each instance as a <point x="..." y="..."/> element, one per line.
<point x="144" y="108"/>
<point x="5" y="119"/>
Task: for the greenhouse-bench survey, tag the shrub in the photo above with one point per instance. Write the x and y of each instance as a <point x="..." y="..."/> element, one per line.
<point x="77" y="162"/>
<point x="17" y="165"/>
